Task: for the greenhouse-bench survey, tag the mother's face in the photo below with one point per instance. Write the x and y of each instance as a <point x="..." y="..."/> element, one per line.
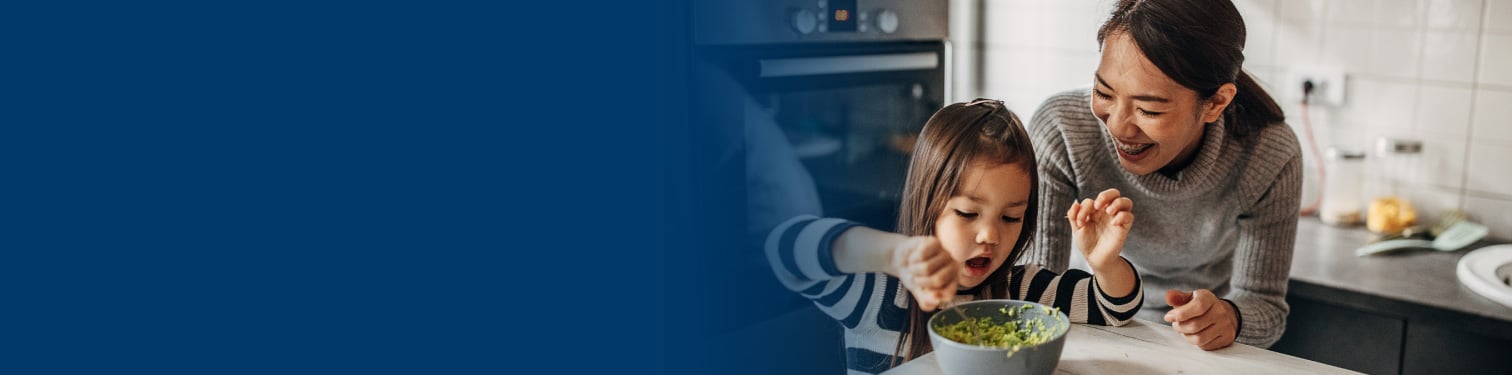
<point x="1156" y="123"/>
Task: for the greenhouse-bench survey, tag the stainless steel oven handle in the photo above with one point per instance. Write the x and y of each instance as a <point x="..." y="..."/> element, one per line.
<point x="811" y="66"/>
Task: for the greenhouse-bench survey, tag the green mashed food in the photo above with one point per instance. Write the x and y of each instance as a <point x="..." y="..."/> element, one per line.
<point x="1012" y="332"/>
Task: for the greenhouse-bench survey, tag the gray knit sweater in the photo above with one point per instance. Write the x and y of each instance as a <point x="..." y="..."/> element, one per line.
<point x="1227" y="222"/>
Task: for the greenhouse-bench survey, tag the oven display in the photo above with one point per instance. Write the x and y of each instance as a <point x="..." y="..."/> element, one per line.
<point x="842" y="15"/>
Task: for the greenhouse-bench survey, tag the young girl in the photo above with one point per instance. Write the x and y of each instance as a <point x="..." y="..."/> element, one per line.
<point x="968" y="210"/>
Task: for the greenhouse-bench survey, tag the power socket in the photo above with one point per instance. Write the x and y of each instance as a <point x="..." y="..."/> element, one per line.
<point x="1328" y="85"/>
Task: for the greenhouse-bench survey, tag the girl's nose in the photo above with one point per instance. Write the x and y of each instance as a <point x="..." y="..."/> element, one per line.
<point x="988" y="234"/>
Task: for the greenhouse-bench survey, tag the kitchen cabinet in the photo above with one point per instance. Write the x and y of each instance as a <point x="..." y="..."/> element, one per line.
<point x="1354" y="339"/>
<point x="1448" y="349"/>
<point x="1402" y="313"/>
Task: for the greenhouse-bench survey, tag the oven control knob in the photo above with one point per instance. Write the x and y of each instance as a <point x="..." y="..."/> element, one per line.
<point x="805" y="21"/>
<point x="887" y="21"/>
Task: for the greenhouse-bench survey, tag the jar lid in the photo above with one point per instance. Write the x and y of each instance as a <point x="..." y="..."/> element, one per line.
<point x="1337" y="153"/>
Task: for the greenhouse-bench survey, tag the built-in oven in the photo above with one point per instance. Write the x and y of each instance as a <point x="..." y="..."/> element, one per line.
<point x="846" y="84"/>
<point x="805" y="107"/>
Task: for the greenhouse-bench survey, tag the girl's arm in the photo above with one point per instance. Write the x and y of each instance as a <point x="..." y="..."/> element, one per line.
<point x="1100" y="227"/>
<point x="1077" y="293"/>
<point x="798" y="251"/>
<point x="824" y="259"/>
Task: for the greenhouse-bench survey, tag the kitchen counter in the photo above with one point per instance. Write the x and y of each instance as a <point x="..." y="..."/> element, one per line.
<point x="1399" y="313"/>
<point x="1417" y="282"/>
<point x="1149" y="348"/>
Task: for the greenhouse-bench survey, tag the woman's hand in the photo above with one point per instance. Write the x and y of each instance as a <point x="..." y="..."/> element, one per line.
<point x="927" y="270"/>
<point x="1101" y="226"/>
<point x="1202" y="318"/>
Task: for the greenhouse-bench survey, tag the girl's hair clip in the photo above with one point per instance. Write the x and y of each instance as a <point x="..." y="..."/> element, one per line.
<point x="985" y="101"/>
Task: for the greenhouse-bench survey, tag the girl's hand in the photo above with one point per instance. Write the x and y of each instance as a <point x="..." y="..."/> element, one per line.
<point x="1101" y="226"/>
<point x="927" y="270"/>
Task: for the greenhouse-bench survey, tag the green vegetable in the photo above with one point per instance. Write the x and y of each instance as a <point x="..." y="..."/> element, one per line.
<point x="1012" y="332"/>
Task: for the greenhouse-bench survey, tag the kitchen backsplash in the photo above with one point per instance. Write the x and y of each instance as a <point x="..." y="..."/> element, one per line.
<point x="1434" y="71"/>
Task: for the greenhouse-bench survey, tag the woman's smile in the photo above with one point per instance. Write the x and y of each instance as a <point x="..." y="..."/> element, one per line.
<point x="1132" y="151"/>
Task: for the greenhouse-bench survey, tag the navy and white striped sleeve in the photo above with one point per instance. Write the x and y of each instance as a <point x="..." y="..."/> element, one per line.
<point x="801" y="254"/>
<point x="1076" y="292"/>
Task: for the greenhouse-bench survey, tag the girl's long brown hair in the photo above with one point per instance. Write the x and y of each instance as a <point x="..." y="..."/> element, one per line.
<point x="958" y="135"/>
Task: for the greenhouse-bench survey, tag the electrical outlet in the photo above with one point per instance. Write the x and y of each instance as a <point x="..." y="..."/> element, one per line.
<point x="1328" y="85"/>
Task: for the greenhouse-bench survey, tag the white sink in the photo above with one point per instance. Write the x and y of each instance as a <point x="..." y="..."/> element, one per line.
<point x="1488" y="272"/>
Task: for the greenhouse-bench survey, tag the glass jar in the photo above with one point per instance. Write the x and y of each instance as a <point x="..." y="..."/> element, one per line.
<point x="1343" y="182"/>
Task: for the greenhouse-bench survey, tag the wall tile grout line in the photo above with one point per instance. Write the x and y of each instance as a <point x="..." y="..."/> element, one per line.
<point x="1464" y="199"/>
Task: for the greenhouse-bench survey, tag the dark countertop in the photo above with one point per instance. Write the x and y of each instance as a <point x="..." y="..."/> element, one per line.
<point x="1415" y="284"/>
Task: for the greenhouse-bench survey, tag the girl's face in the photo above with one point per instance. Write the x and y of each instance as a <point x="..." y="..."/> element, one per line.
<point x="1156" y="123"/>
<point x="982" y="220"/>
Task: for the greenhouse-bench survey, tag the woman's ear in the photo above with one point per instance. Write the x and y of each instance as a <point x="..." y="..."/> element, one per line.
<point x="1220" y="101"/>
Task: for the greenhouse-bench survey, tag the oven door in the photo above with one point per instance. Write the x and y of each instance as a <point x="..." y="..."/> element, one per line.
<point x="829" y="128"/>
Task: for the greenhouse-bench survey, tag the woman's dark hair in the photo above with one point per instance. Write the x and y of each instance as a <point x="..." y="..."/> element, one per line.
<point x="1200" y="44"/>
<point x="979" y="131"/>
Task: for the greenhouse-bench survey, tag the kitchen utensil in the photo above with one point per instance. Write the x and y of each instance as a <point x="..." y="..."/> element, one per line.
<point x="975" y="332"/>
<point x="1453" y="231"/>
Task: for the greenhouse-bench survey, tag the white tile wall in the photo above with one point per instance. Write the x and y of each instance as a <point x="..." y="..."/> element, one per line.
<point x="1379" y="104"/>
<point x="1298" y="42"/>
<point x="1078" y="69"/>
<point x="1496" y="59"/>
<point x="1441" y="163"/>
<point x="1498" y="15"/>
<point x="1268" y="77"/>
<point x="1443" y="111"/>
<point x="1260" y="31"/>
<point x="1495" y="214"/>
<point x="1453" y="14"/>
<point x="1395" y="52"/>
<point x="1349" y="12"/>
<point x="1013" y="24"/>
<point x="1488" y="163"/>
<point x="1346" y="47"/>
<point x="1450" y="55"/>
<point x="1399" y="13"/>
<point x="1492" y="119"/>
<point x="1009" y="77"/>
<point x="1073" y="31"/>
<point x="1430" y="202"/>
<point x="1302" y="10"/>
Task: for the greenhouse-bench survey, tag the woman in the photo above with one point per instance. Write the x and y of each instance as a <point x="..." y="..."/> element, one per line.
<point x="1174" y="123"/>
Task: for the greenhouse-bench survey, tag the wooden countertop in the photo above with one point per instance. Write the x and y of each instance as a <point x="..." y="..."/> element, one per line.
<point x="1149" y="348"/>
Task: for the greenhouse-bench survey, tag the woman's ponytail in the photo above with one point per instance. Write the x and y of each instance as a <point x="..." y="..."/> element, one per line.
<point x="1252" y="108"/>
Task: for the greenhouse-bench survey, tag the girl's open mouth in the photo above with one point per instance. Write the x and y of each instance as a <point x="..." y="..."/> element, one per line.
<point x="978" y="266"/>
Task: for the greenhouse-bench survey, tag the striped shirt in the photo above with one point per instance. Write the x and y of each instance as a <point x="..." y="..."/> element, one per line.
<point x="873" y="307"/>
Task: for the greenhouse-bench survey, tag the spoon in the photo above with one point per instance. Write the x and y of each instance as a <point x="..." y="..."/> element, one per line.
<point x="976" y="333"/>
<point x="1452" y="232"/>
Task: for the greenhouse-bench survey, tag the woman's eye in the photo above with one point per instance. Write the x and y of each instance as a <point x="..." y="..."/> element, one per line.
<point x="1101" y="95"/>
<point x="1149" y="114"/>
<point x="965" y="214"/>
<point x="1011" y="219"/>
